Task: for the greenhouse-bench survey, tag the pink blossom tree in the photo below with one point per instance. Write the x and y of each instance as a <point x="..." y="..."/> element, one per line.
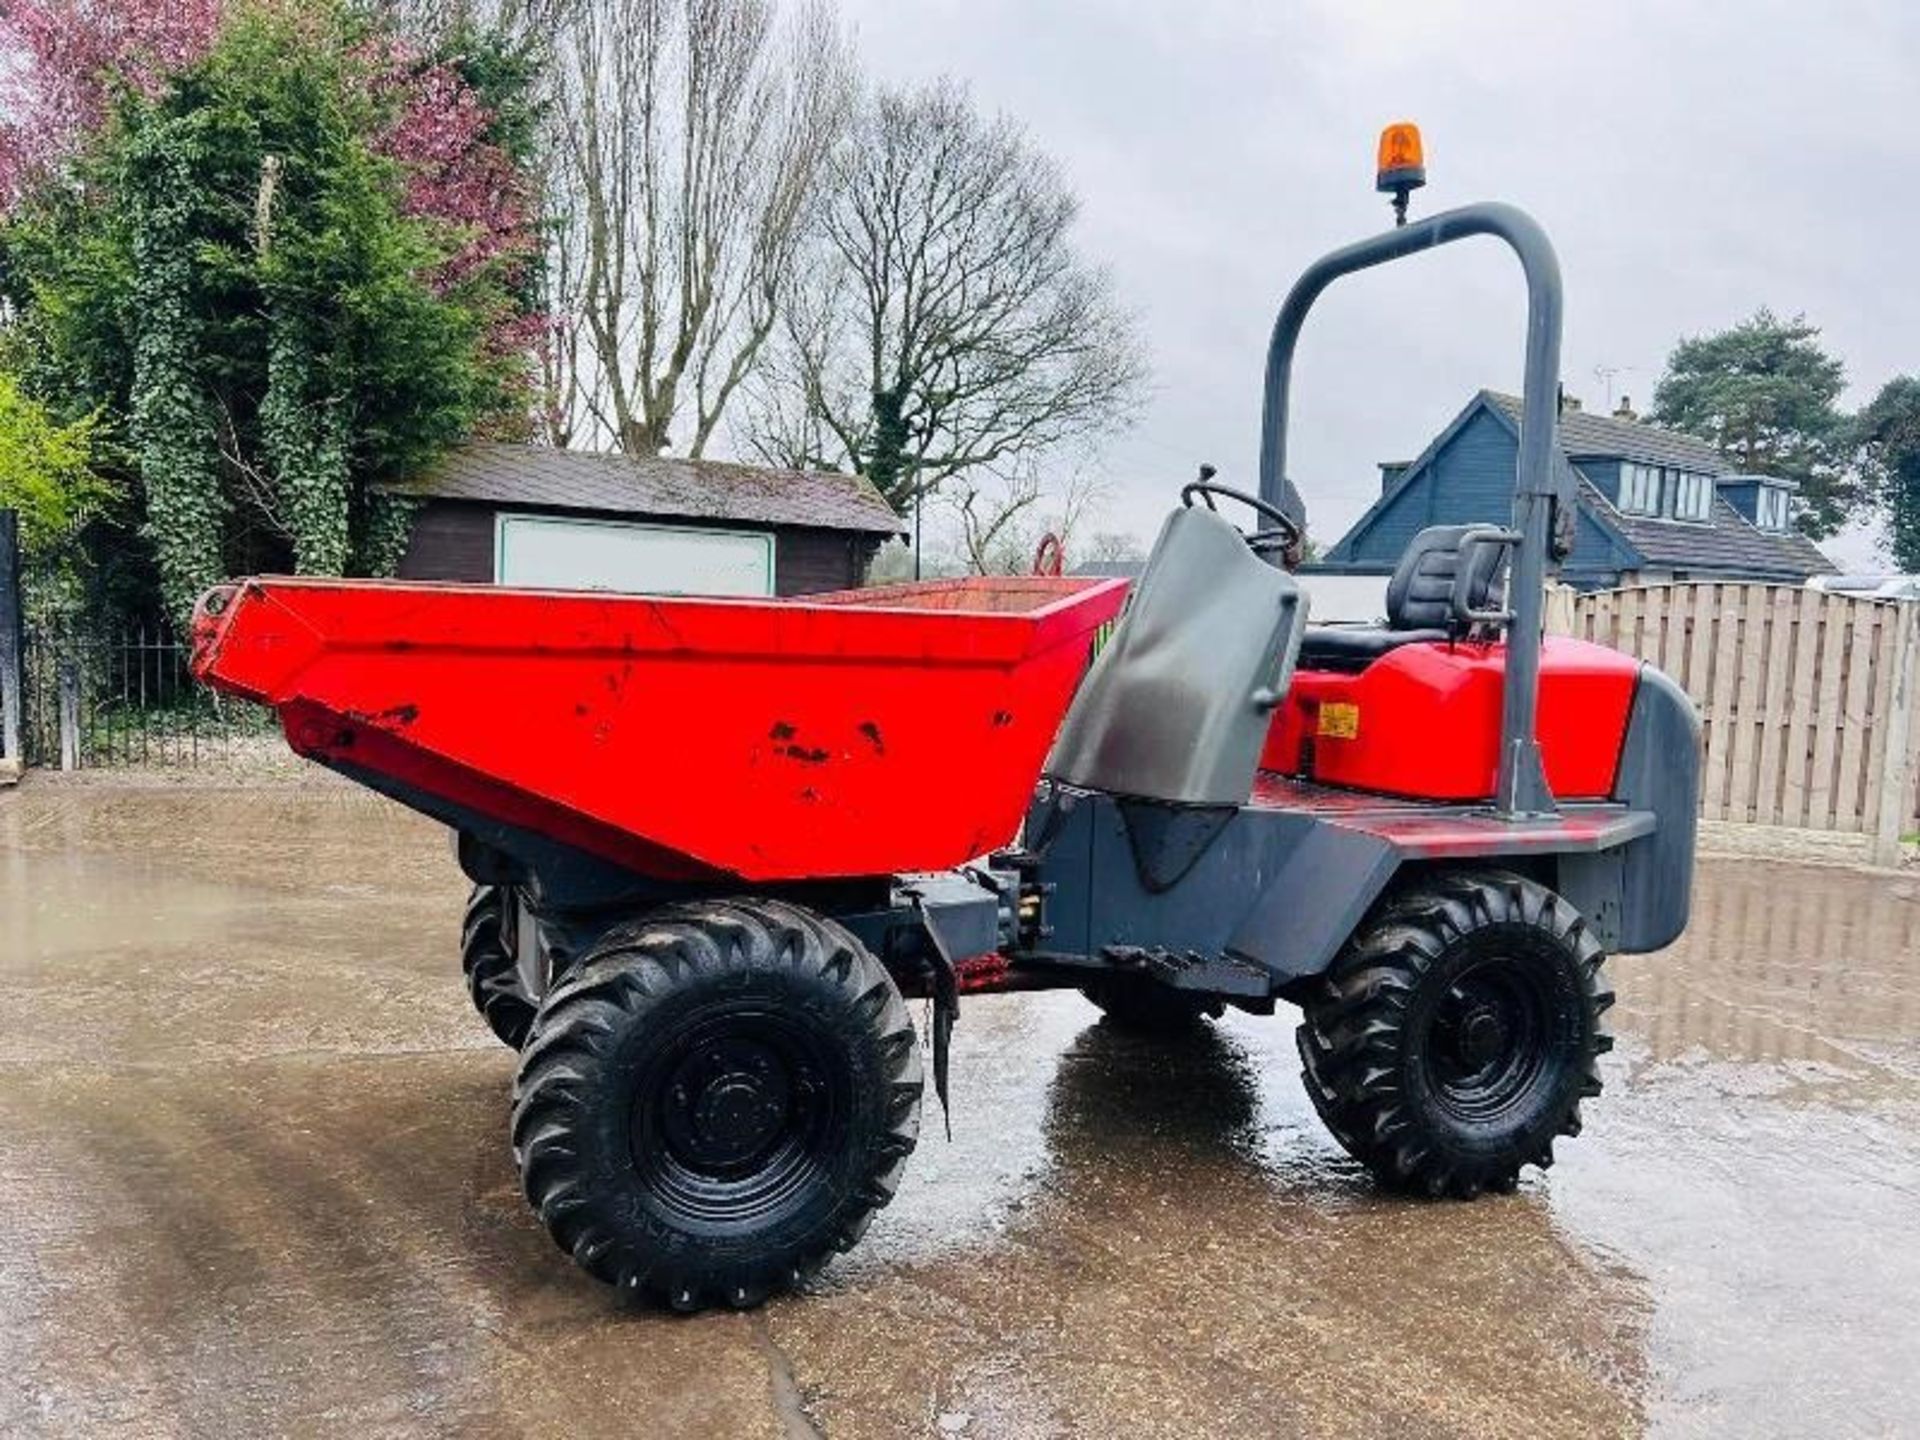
<point x="62" y="60"/>
<point x="458" y="179"/>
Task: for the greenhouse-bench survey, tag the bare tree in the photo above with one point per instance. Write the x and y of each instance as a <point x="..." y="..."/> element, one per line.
<point x="519" y="22"/>
<point x="688" y="140"/>
<point x="1002" y="517"/>
<point x="565" y="369"/>
<point x="1110" y="546"/>
<point x="945" y="326"/>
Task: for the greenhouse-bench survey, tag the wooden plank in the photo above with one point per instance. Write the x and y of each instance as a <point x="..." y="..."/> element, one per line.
<point x="1775" y="698"/>
<point x="1697" y="673"/>
<point x="1896" y="781"/>
<point x="1799" y="743"/>
<point x="1677" y="615"/>
<point x="1626" y="620"/>
<point x="1913" y="755"/>
<point x="1602" y="633"/>
<point x="1726" y="671"/>
<point x="1665" y="624"/>
<point x="1749" y="713"/>
<point x="1879" y="722"/>
<point x="1856" y="717"/>
<point x="1557" y="613"/>
<point x="1829" y="701"/>
<point x="1673" y="632"/>
<point x="1913" y="759"/>
<point x="1653" y="607"/>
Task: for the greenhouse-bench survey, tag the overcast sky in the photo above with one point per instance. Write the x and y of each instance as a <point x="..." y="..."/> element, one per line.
<point x="1692" y="162"/>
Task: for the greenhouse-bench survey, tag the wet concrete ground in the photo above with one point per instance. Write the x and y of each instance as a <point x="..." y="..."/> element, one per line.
<point x="254" y="1179"/>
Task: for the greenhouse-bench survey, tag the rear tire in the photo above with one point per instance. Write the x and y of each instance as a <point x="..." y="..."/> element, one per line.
<point x="487" y="939"/>
<point x="1145" y="1007"/>
<point x="715" y="1100"/>
<point x="1456" y="1035"/>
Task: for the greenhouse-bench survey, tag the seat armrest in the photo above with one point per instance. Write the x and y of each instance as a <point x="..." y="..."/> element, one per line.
<point x="1475" y="573"/>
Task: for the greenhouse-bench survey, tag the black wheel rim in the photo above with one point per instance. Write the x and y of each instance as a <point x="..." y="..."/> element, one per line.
<point x="1491" y="1037"/>
<point x="733" y="1120"/>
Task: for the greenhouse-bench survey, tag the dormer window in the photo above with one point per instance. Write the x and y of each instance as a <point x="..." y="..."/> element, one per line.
<point x="1640" y="489"/>
<point x="1662" y="491"/>
<point x="1692" y="495"/>
<point x="1771" y="508"/>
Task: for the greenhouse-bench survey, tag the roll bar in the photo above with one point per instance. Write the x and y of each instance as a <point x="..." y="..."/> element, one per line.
<point x="1541" y="507"/>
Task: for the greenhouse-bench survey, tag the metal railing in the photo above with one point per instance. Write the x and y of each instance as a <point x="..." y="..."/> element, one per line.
<point x="96" y="700"/>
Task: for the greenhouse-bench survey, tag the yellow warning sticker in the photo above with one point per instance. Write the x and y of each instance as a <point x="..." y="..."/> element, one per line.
<point x="1339" y="720"/>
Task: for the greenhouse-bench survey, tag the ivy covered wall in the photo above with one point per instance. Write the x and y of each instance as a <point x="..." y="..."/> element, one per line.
<point x="294" y="264"/>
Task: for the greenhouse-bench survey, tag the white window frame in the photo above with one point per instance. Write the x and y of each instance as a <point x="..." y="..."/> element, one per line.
<point x="1773" y="509"/>
<point x="1691" y="486"/>
<point x="1639" y="489"/>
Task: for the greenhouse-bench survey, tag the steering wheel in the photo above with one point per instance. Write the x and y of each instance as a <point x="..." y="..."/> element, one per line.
<point x="1280" y="533"/>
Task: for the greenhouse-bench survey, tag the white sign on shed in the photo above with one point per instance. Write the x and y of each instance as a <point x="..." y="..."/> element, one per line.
<point x="548" y="552"/>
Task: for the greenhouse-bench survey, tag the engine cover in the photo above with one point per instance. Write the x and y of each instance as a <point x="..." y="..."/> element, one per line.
<point x="1423" y="721"/>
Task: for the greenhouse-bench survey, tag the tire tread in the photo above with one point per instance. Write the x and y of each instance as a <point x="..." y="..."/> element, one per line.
<point x="493" y="977"/>
<point x="1352" y="1023"/>
<point x="631" y="969"/>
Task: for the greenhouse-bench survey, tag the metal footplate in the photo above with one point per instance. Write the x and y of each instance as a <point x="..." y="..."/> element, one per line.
<point x="1190" y="970"/>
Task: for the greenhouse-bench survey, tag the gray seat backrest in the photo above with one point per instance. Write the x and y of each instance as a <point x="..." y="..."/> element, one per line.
<point x="1177" y="705"/>
<point x="1420" y="594"/>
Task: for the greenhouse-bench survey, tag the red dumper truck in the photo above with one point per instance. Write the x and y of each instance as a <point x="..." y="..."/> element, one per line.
<point x="717" y="844"/>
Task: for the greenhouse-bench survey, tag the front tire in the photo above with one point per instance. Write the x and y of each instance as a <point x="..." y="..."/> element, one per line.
<point x="715" y="1100"/>
<point x="488" y="936"/>
<point x="1454" y="1038"/>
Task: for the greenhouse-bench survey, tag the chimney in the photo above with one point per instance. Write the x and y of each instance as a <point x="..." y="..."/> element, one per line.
<point x="1625" y="409"/>
<point x="1569" y="404"/>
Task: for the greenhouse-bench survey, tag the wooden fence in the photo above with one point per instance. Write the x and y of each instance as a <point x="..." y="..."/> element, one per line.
<point x="1808" y="698"/>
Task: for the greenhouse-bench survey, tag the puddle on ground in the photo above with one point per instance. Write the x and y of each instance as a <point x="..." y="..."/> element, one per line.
<point x="254" y="1169"/>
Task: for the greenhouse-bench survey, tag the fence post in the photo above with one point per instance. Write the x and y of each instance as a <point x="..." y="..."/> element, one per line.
<point x="1896" y="773"/>
<point x="1560" y="611"/>
<point x="69" y="713"/>
<point x="12" y="758"/>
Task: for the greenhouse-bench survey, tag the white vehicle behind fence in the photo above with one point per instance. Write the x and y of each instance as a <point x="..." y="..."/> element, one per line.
<point x="1869" y="587"/>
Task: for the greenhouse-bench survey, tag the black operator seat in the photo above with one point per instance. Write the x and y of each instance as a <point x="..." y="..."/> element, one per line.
<point x="1419" y="601"/>
<point x="1178" y="704"/>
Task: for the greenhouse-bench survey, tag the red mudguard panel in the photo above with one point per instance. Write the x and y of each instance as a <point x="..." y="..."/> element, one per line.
<point x="861" y="733"/>
<point x="1423" y="721"/>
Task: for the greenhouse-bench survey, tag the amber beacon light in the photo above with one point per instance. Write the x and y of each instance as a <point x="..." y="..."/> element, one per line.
<point x="1401" y="167"/>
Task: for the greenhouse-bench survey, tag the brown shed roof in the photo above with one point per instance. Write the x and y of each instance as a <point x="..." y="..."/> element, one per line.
<point x="541" y="478"/>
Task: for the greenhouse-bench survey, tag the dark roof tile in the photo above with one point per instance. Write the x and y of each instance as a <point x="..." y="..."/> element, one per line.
<point x="1587" y="435"/>
<point x="1729" y="543"/>
<point x="543" y="478"/>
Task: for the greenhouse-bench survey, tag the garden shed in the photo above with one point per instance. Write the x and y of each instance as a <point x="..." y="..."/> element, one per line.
<point x="531" y="515"/>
